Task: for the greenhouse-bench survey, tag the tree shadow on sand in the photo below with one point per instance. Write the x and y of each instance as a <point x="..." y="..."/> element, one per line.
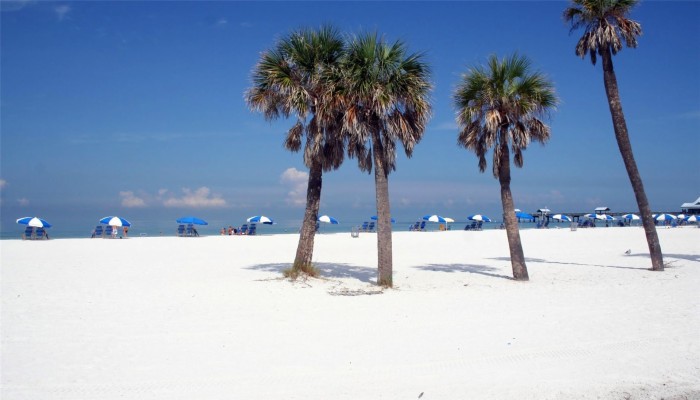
<point x="687" y="257"/>
<point x="328" y="270"/>
<point x="540" y="260"/>
<point x="472" y="269"/>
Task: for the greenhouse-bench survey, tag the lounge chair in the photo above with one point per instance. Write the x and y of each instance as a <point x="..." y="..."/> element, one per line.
<point x="244" y="230"/>
<point x="108" y="232"/>
<point x="414" y="227"/>
<point x="181" y="230"/>
<point x="422" y="226"/>
<point x="364" y="227"/>
<point x="370" y="227"/>
<point x="40" y="234"/>
<point x="251" y="229"/>
<point x="189" y="231"/>
<point x="98" y="232"/>
<point x="28" y="233"/>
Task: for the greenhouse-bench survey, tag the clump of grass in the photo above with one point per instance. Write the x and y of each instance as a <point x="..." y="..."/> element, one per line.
<point x="298" y="270"/>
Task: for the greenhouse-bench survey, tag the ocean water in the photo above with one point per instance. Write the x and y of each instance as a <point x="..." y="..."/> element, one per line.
<point x="150" y="228"/>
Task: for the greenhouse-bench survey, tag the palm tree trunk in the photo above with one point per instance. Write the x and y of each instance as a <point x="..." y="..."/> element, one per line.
<point x="384" y="246"/>
<point x="305" y="248"/>
<point x="517" y="256"/>
<point x="623" y="142"/>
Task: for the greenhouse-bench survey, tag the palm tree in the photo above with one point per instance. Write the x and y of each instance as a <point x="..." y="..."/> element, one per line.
<point x="605" y="26"/>
<point x="385" y="92"/>
<point x="292" y="78"/>
<point x="500" y="107"/>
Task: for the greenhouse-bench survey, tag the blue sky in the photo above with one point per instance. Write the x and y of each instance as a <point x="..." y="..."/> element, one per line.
<point x="136" y="108"/>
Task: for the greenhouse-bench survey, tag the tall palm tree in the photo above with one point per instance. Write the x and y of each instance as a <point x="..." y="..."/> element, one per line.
<point x="605" y="26"/>
<point x="500" y="107"/>
<point x="385" y="91"/>
<point x="292" y="79"/>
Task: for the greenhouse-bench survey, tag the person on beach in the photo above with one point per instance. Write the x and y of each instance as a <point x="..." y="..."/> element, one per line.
<point x="194" y="231"/>
<point x="223" y="231"/>
<point x="114" y="232"/>
<point x="230" y="230"/>
<point x="126" y="230"/>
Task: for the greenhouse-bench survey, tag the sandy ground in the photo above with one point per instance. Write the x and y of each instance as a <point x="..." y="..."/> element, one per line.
<point x="210" y="318"/>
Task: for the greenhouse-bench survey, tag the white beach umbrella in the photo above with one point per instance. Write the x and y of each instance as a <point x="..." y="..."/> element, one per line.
<point x="633" y="217"/>
<point x="261" y="219"/>
<point x="693" y="218"/>
<point x="434" y="218"/>
<point x="479" y="217"/>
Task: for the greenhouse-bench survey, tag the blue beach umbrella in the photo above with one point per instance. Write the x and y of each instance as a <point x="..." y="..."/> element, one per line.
<point x="603" y="217"/>
<point x="261" y="219"/>
<point x="191" y="220"/>
<point x="328" y="219"/>
<point x="115" y="221"/>
<point x="631" y="216"/>
<point x="374" y="217"/>
<point x="434" y="218"/>
<point x="523" y="215"/>
<point x="479" y="217"/>
<point x="35" y="222"/>
<point x="693" y="218"/>
<point x="561" y="217"/>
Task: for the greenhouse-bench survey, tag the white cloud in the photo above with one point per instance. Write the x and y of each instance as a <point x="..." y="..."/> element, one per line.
<point x="297" y="182"/>
<point x="62" y="11"/>
<point x="130" y="200"/>
<point x="23" y="201"/>
<point x="221" y="22"/>
<point x="200" y="198"/>
<point x="3" y="183"/>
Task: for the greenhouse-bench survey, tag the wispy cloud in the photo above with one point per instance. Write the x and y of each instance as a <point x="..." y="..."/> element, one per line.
<point x="246" y="24"/>
<point x="691" y="115"/>
<point x="221" y="22"/>
<point x="3" y="183"/>
<point x="14" y="5"/>
<point x="62" y="11"/>
<point x="23" y="201"/>
<point x="445" y="126"/>
<point x="199" y="198"/>
<point x="130" y="200"/>
<point x="297" y="182"/>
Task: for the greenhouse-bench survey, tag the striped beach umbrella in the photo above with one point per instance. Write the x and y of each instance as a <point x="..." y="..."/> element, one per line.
<point x="664" y="217"/>
<point x="261" y="219"/>
<point x="633" y="217"/>
<point x="479" y="217"/>
<point x="328" y="219"/>
<point x="34" y="222"/>
<point x="561" y="217"/>
<point x="434" y="218"/>
<point x="115" y="221"/>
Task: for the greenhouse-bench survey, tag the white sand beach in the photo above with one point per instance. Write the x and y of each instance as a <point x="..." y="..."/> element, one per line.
<point x="211" y="318"/>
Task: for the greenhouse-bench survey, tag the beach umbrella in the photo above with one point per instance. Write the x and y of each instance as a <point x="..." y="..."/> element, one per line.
<point x="261" y="219"/>
<point x="561" y="217"/>
<point x="328" y="219"/>
<point x="633" y="217"/>
<point x="433" y="218"/>
<point x="479" y="217"/>
<point x="374" y="217"/>
<point x="35" y="222"/>
<point x="523" y="215"/>
<point x="603" y="217"/>
<point x="682" y="216"/>
<point x="115" y="221"/>
<point x="693" y="218"/>
<point x="191" y="220"/>
<point x="449" y="220"/>
<point x="665" y="217"/>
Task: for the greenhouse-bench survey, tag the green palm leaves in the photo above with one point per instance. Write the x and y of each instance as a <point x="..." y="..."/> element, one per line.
<point x="605" y="23"/>
<point x="500" y="105"/>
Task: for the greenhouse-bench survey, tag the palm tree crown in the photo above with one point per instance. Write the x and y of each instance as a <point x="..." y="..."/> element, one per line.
<point x="293" y="78"/>
<point x="501" y="105"/>
<point x="386" y="92"/>
<point x="605" y="23"/>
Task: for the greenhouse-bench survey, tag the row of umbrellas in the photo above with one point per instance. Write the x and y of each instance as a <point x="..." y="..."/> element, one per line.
<point x="36" y="222"/>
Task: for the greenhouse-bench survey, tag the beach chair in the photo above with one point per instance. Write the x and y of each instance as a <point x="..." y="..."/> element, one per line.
<point x="480" y="226"/>
<point x="108" y="232"/>
<point x="364" y="227"/>
<point x="370" y="227"/>
<point x="244" y="230"/>
<point x="546" y="224"/>
<point x="181" y="230"/>
<point x="251" y="229"/>
<point x="40" y="234"/>
<point x="189" y="231"/>
<point x="98" y="232"/>
<point x="421" y="227"/>
<point x="414" y="227"/>
<point x="28" y="233"/>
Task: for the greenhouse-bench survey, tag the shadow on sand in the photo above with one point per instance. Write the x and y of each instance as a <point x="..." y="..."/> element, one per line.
<point x="472" y="269"/>
<point x="328" y="270"/>
<point x="540" y="260"/>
